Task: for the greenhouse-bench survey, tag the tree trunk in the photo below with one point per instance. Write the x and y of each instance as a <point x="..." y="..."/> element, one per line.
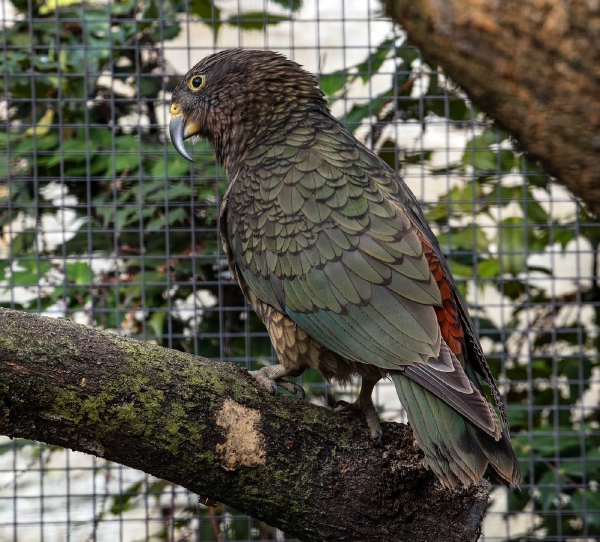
<point x="209" y="427"/>
<point x="532" y="65"/>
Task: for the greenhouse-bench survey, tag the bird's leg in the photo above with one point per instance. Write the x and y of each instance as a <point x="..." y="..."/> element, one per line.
<point x="364" y="407"/>
<point x="271" y="379"/>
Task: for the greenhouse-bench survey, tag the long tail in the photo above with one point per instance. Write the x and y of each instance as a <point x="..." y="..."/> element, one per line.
<point x="455" y="449"/>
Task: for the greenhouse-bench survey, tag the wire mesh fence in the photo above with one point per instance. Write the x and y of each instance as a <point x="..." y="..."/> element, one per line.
<point x="104" y="224"/>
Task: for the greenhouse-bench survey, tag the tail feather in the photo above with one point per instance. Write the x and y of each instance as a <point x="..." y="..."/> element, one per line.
<point x="454" y="448"/>
<point x="502" y="459"/>
<point x="450" y="426"/>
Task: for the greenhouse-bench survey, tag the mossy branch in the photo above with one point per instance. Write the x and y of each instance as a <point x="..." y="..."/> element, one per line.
<point x="532" y="65"/>
<point x="209" y="427"/>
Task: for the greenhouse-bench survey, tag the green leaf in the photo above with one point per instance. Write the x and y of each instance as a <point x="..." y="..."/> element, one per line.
<point x="416" y="157"/>
<point x="157" y="488"/>
<point x="464" y="238"/>
<point x="408" y="55"/>
<point x="357" y="114"/>
<point x="149" y="86"/>
<point x="459" y="269"/>
<point x="481" y="160"/>
<point x="517" y="499"/>
<point x="174" y="167"/>
<point x="589" y="508"/>
<point x="154" y="283"/>
<point x="172" y="30"/>
<point x="209" y="13"/>
<point x="292" y="5"/>
<point x="127" y="143"/>
<point x="156" y="323"/>
<point x="123" y="163"/>
<point x="389" y="153"/>
<point x="79" y="273"/>
<point x="488" y="269"/>
<point x="151" y="13"/>
<point x="508" y="160"/>
<point x="374" y="61"/>
<point x="486" y="138"/>
<point x="30" y="271"/>
<point x="463" y="201"/>
<point x="511" y="246"/>
<point x="479" y="155"/>
<point x="532" y="210"/>
<point x="564" y="234"/>
<point x="487" y="328"/>
<point x="256" y="20"/>
<point x="122" y="503"/>
<point x="332" y="82"/>
<point x="122" y="7"/>
<point x="458" y="109"/>
<point x="126" y="216"/>
<point x="548" y="495"/>
<point x="177" y="215"/>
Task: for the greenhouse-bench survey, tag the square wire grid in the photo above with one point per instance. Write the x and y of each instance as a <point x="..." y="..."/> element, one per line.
<point x="103" y="223"/>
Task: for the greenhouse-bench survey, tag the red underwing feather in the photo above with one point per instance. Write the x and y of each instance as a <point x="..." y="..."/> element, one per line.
<point x="447" y="315"/>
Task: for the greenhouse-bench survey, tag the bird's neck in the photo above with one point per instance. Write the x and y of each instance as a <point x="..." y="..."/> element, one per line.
<point x="249" y="137"/>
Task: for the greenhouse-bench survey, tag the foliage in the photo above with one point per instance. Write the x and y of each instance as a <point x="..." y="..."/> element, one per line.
<point x="136" y="247"/>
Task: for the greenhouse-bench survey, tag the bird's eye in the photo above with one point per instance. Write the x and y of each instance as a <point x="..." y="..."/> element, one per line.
<point x="197" y="82"/>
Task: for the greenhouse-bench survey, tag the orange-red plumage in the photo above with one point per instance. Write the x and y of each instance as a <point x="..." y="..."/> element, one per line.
<point x="447" y="314"/>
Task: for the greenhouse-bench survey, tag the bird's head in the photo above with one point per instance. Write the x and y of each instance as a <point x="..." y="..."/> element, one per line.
<point x="232" y="96"/>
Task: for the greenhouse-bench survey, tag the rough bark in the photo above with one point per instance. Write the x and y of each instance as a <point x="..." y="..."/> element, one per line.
<point x="208" y="427"/>
<point x="532" y="65"/>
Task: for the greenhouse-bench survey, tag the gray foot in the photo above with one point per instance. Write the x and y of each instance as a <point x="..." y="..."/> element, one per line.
<point x="271" y="378"/>
<point x="364" y="411"/>
<point x="364" y="408"/>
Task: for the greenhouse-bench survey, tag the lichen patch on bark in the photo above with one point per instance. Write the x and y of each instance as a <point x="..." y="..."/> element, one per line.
<point x="244" y="444"/>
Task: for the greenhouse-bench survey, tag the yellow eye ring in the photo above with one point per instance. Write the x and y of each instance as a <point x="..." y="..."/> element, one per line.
<point x="197" y="82"/>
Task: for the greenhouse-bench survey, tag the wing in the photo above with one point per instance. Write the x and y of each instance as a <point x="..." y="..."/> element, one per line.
<point x="317" y="231"/>
<point x="314" y="235"/>
<point x="456" y="320"/>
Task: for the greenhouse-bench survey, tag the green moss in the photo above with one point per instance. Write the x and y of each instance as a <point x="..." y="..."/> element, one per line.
<point x="177" y="422"/>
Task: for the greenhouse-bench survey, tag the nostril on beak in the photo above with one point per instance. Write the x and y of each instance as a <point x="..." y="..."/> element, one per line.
<point x="175" y="109"/>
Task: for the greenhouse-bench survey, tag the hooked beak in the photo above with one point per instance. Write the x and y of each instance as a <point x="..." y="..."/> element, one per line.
<point x="180" y="130"/>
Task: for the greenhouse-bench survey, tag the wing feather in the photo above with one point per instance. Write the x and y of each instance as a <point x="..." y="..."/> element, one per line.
<point x="333" y="244"/>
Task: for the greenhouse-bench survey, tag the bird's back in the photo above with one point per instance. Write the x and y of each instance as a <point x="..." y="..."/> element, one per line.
<point x="334" y="253"/>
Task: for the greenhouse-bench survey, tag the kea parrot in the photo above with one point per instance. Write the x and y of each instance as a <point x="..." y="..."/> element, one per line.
<point x="333" y="252"/>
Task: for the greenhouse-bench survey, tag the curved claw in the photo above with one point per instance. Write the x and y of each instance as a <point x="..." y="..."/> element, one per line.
<point x="340" y="405"/>
<point x="299" y="389"/>
<point x="365" y="411"/>
<point x="271" y="378"/>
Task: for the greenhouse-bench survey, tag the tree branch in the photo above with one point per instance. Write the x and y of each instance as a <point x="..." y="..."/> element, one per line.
<point x="209" y="427"/>
<point x="532" y="65"/>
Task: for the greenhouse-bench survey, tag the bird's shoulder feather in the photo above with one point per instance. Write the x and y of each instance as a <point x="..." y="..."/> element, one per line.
<point x="315" y="232"/>
<point x="327" y="234"/>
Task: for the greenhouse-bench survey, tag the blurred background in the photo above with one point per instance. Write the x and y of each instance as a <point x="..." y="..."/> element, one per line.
<point x="103" y="223"/>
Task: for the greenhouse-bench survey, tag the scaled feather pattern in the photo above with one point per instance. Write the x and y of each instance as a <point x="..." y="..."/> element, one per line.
<point x="332" y="251"/>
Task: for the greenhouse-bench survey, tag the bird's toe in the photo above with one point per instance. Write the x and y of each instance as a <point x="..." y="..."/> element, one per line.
<point x="364" y="410"/>
<point x="292" y="387"/>
<point x="272" y="385"/>
<point x="344" y="407"/>
<point x="263" y="379"/>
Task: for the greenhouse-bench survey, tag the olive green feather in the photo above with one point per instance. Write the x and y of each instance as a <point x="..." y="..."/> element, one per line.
<point x="323" y="235"/>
